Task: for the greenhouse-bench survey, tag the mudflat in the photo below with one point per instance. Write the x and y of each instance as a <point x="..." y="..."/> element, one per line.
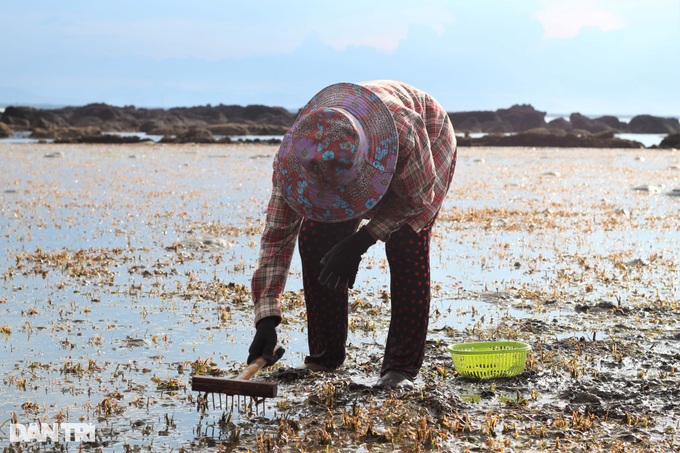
<point x="125" y="270"/>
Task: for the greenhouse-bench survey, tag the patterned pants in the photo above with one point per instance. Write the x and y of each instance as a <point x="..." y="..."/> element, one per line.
<point x="408" y="255"/>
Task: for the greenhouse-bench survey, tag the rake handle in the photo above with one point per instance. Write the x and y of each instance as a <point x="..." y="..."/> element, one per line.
<point x="252" y="369"/>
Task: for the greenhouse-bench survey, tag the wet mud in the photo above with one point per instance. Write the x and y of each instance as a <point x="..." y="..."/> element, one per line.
<point x="125" y="270"/>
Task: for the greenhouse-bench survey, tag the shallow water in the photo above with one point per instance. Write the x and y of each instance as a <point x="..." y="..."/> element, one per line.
<point x="122" y="266"/>
<point x="647" y="140"/>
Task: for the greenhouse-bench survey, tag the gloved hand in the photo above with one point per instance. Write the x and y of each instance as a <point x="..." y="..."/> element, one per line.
<point x="265" y="341"/>
<point x="341" y="263"/>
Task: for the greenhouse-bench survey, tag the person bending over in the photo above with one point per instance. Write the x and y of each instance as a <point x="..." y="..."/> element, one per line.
<point x="381" y="154"/>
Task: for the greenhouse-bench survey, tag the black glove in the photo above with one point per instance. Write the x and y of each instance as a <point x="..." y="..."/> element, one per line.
<point x="341" y="263"/>
<point x="265" y="341"/>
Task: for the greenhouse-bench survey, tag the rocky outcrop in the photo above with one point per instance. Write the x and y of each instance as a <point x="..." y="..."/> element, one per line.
<point x="66" y="134"/>
<point x="519" y="125"/>
<point x="517" y="118"/>
<point x="29" y="118"/>
<point x="612" y="122"/>
<point x="560" y="124"/>
<point x="520" y="118"/>
<point x="672" y="141"/>
<point x="252" y="119"/>
<point x="647" y="124"/>
<point x="110" y="139"/>
<point x="478" y="121"/>
<point x="584" y="123"/>
<point x="5" y="131"/>
<point x="193" y="135"/>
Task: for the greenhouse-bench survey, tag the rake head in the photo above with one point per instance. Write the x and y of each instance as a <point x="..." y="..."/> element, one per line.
<point x="239" y="388"/>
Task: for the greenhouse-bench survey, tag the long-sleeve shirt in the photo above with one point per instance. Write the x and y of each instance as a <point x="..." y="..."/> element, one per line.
<point x="425" y="165"/>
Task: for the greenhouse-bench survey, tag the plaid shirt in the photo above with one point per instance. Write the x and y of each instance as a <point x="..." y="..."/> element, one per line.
<point x="427" y="157"/>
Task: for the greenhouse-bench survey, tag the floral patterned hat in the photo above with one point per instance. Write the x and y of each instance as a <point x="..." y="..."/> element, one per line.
<point x="337" y="160"/>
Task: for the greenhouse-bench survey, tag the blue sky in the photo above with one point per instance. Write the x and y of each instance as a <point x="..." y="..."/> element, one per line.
<point x="561" y="56"/>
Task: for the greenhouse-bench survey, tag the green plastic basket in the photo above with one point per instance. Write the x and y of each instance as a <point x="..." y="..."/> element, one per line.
<point x="489" y="359"/>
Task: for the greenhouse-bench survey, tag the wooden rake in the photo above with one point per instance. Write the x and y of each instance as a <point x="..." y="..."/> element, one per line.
<point x="241" y="389"/>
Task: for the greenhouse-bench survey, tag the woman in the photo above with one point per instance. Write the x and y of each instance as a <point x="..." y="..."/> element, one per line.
<point x="381" y="151"/>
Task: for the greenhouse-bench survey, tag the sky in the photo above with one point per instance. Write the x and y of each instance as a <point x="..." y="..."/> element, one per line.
<point x="595" y="57"/>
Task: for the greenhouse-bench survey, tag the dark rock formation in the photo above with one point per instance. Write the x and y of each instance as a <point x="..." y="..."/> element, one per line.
<point x="522" y="118"/>
<point x="579" y="121"/>
<point x="253" y="119"/>
<point x="5" y="131"/>
<point x="66" y="134"/>
<point x="218" y="124"/>
<point x="476" y="121"/>
<point x="613" y="122"/>
<point x="193" y="135"/>
<point x="517" y="118"/>
<point x="560" y="124"/>
<point x="28" y="118"/>
<point x="647" y="124"/>
<point x="672" y="141"/>
<point x="111" y="139"/>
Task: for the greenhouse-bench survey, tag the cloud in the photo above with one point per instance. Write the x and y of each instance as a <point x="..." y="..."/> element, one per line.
<point x="379" y="26"/>
<point x="566" y="18"/>
<point x="241" y="30"/>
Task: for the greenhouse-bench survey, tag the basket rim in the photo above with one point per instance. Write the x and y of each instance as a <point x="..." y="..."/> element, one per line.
<point x="484" y="347"/>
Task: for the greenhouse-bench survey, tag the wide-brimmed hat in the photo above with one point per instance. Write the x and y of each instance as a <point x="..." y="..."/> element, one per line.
<point x="337" y="160"/>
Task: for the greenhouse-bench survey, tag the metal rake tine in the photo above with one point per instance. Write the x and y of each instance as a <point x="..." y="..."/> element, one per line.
<point x="202" y="402"/>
